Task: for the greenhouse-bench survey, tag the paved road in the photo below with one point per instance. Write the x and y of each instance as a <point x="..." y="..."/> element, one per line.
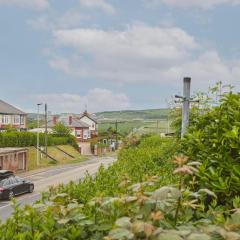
<point x="53" y="177"/>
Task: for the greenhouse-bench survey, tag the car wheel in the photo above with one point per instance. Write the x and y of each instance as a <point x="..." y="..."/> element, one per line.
<point x="10" y="195"/>
<point x="31" y="188"/>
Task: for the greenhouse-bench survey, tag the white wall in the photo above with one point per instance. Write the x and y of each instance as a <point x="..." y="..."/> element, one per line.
<point x="90" y="122"/>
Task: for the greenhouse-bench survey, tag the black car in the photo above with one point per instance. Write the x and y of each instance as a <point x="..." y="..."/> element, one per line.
<point x="5" y="174"/>
<point x="11" y="186"/>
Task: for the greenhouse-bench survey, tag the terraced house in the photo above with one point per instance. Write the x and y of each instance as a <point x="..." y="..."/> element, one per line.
<point x="12" y="116"/>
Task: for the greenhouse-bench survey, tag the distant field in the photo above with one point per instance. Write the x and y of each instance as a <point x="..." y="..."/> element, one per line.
<point x="143" y="126"/>
<point x="150" y="114"/>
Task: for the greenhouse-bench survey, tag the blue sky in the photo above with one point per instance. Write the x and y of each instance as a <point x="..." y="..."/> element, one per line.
<point x="112" y="54"/>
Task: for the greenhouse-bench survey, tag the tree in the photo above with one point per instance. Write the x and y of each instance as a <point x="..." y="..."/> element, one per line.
<point x="61" y="130"/>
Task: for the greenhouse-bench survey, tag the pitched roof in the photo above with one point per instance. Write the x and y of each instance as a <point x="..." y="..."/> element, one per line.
<point x="65" y="120"/>
<point x="90" y="116"/>
<point x="9" y="109"/>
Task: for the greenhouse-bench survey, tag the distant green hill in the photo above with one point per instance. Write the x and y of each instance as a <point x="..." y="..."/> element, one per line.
<point x="150" y="114"/>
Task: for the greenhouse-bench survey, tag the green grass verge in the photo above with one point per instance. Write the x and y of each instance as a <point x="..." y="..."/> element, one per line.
<point x="61" y="157"/>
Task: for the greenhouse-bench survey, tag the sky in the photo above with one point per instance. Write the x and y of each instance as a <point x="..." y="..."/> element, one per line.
<point x="114" y="54"/>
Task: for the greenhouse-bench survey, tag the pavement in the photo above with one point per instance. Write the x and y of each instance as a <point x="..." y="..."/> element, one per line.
<point x="43" y="179"/>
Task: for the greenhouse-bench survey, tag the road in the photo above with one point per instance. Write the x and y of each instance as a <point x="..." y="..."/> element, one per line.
<point x="53" y="177"/>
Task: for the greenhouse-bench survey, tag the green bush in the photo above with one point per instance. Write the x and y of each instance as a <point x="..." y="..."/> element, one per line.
<point x="72" y="212"/>
<point x="27" y="139"/>
<point x="214" y="139"/>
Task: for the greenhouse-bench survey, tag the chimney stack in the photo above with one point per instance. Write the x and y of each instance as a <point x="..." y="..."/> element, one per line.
<point x="70" y="120"/>
<point x="54" y="120"/>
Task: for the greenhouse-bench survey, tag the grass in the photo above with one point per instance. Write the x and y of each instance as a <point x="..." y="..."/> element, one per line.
<point x="126" y="127"/>
<point x="135" y="114"/>
<point x="61" y="157"/>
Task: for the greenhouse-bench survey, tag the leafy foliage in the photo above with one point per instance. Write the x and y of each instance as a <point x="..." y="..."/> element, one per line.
<point x="27" y="139"/>
<point x="61" y="130"/>
<point x="214" y="140"/>
<point x="74" y="211"/>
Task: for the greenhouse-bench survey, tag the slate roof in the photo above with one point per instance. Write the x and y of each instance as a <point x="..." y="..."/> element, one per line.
<point x="6" y="108"/>
<point x="90" y="116"/>
<point x="65" y="120"/>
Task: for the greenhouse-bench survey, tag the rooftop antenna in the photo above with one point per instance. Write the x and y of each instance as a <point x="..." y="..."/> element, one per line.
<point x="85" y="108"/>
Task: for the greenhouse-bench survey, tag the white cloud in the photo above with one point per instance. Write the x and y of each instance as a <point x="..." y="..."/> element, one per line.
<point x="71" y="18"/>
<point x="203" y="4"/>
<point x="141" y="54"/>
<point x="35" y="4"/>
<point x="100" y="4"/>
<point x="96" y="100"/>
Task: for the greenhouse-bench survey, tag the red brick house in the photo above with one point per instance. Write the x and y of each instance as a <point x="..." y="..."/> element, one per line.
<point x="78" y="128"/>
<point x="11" y="116"/>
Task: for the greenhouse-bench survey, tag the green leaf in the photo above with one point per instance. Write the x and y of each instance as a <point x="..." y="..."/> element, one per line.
<point x="121" y="234"/>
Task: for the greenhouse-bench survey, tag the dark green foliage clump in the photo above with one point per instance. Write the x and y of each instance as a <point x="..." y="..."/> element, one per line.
<point x="214" y="140"/>
<point x="28" y="139"/>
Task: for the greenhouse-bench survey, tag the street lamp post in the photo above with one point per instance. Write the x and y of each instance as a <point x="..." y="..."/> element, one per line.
<point x="38" y="106"/>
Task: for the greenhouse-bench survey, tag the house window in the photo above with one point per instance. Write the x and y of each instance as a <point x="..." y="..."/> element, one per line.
<point x="93" y="125"/>
<point x="5" y="119"/>
<point x="16" y="119"/>
<point x="85" y="134"/>
<point x="78" y="133"/>
<point x="22" y="119"/>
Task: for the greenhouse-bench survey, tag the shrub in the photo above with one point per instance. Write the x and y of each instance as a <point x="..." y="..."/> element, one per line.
<point x="214" y="139"/>
<point x="61" y="130"/>
<point x="27" y="139"/>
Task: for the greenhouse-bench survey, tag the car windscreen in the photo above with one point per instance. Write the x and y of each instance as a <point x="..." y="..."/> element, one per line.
<point x="18" y="179"/>
<point x="2" y="183"/>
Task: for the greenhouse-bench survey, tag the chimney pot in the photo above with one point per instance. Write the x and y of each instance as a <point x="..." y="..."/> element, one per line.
<point x="70" y="120"/>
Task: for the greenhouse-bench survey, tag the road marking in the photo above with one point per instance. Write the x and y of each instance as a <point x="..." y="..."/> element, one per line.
<point x="9" y="203"/>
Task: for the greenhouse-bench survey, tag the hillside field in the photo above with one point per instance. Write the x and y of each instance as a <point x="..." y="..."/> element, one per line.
<point x="141" y="126"/>
<point x="135" y="114"/>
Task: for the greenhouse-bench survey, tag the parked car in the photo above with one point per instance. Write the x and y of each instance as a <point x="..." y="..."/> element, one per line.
<point x="5" y="174"/>
<point x="11" y="185"/>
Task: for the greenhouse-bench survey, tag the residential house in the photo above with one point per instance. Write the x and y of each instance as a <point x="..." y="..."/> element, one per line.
<point x="11" y="116"/>
<point x="78" y="128"/>
<point x="91" y="121"/>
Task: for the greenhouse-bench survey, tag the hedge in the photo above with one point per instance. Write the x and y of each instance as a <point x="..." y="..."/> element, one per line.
<point x="27" y="139"/>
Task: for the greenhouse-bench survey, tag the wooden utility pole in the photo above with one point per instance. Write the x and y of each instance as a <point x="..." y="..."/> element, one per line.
<point x="186" y="104"/>
<point x="116" y="126"/>
<point x="38" y="105"/>
<point x="46" y="131"/>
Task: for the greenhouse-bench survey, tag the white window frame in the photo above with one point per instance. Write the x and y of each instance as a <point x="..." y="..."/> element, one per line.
<point x="16" y="119"/>
<point x="5" y="119"/>
<point x="22" y="119"/>
<point x="78" y="133"/>
<point x="85" y="134"/>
